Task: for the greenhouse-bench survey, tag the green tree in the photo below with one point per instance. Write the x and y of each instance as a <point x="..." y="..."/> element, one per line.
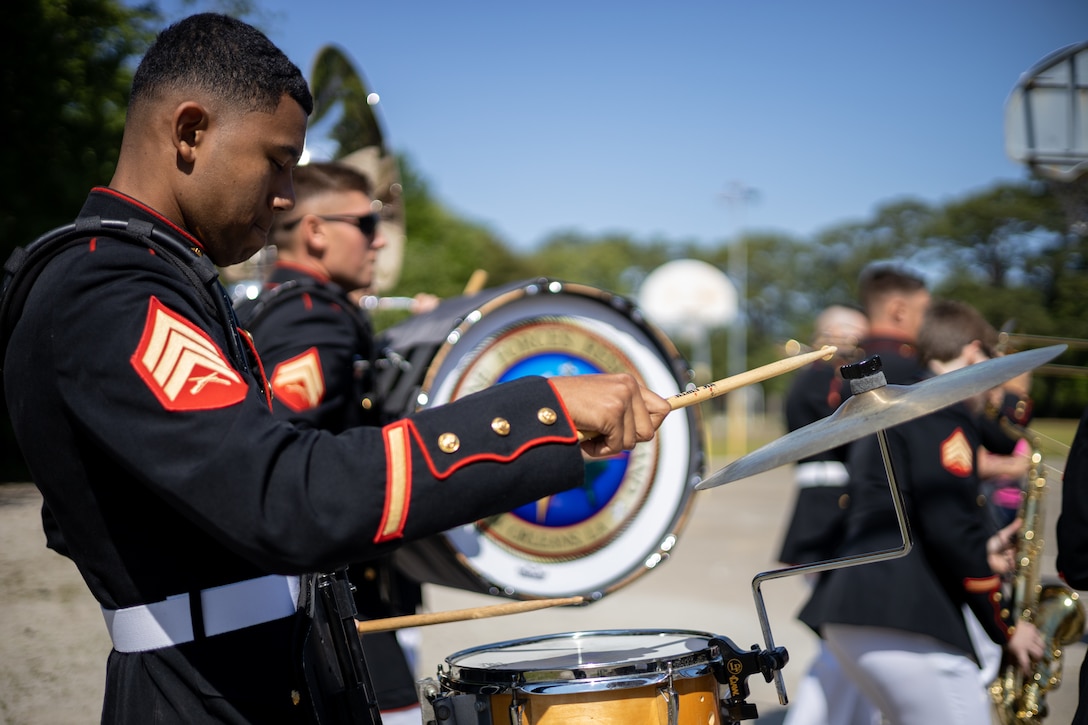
<point x="896" y="231"/>
<point x="611" y="262"/>
<point x="992" y="236"/>
<point x="66" y="67"/>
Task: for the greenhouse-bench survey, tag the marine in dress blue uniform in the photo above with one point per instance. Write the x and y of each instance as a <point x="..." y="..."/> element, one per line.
<point x="899" y="626"/>
<point x="933" y="459"/>
<point x="159" y="461"/>
<point x="187" y="507"/>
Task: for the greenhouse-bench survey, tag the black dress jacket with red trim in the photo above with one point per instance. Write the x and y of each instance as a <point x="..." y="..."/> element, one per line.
<point x="165" y="472"/>
<point x="923" y="592"/>
<point x="815" y="527"/>
<point x="316" y="347"/>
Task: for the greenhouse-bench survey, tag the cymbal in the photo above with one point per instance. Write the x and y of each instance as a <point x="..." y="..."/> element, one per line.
<point x="882" y="407"/>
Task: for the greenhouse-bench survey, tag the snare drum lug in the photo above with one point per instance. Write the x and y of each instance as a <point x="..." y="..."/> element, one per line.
<point x="672" y="698"/>
<point x="517" y="709"/>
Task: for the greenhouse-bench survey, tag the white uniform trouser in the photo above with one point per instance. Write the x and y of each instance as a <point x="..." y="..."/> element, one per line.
<point x="912" y="678"/>
<point x="826" y="696"/>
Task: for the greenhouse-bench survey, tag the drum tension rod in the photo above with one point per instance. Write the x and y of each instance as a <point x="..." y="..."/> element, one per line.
<point x="736" y="667"/>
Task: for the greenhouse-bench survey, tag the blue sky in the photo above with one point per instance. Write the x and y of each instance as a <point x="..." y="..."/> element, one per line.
<point x="636" y="117"/>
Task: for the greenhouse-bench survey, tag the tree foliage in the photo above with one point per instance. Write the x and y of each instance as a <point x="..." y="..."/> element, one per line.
<point x="66" y="67"/>
<point x="992" y="236"/>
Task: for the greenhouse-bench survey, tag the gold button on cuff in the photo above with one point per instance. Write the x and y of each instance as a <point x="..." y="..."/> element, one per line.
<point x="501" y="426"/>
<point x="449" y="443"/>
<point x="546" y="416"/>
<point x="367" y="403"/>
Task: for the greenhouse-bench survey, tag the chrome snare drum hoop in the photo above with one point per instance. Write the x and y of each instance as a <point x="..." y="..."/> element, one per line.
<point x="574" y="662"/>
<point x="612" y="677"/>
<point x="585" y="542"/>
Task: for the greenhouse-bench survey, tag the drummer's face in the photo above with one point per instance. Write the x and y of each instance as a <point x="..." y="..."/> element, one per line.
<point x="351" y="253"/>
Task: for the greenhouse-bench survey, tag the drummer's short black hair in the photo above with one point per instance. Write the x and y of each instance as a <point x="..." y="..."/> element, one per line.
<point x="221" y="56"/>
<point x="881" y="278"/>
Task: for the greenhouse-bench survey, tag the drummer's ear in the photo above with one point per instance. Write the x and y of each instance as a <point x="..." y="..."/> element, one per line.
<point x="313" y="233"/>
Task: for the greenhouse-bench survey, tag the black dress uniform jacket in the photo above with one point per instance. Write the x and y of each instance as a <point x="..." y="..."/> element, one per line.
<point x="317" y="348"/>
<point x="815" y="528"/>
<point x="933" y="459"/>
<point x="165" y="472"/>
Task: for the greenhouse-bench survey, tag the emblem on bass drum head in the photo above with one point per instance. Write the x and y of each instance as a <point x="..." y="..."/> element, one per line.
<point x="582" y="520"/>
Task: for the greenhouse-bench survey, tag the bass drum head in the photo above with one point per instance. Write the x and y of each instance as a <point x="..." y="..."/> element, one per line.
<point x="625" y="519"/>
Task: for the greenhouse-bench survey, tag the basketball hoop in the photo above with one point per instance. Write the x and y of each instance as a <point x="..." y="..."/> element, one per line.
<point x="1046" y="127"/>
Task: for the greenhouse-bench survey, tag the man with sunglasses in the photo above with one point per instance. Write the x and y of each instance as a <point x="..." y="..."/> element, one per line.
<point x="314" y="342"/>
<point x="315" y="345"/>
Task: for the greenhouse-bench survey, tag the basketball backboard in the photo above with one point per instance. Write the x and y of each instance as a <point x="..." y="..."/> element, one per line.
<point x="1046" y="115"/>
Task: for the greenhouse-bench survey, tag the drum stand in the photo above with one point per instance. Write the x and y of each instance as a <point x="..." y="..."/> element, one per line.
<point x="830" y="564"/>
<point x="737" y="666"/>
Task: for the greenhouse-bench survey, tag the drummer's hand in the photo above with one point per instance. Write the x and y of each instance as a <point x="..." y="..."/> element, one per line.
<point x="613" y="410"/>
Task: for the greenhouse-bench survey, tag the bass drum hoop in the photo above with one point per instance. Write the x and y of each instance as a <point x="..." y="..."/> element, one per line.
<point x="493" y="570"/>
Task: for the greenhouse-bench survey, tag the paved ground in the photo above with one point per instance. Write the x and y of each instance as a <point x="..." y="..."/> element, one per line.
<point x="53" y="643"/>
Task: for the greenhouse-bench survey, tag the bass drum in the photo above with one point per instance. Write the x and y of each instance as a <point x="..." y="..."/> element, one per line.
<point x="587" y="541"/>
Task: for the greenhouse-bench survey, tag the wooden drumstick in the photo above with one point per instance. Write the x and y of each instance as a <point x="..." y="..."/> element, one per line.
<point x="756" y="375"/>
<point x="461" y="615"/>
<point x="475" y="282"/>
<point x="725" y="385"/>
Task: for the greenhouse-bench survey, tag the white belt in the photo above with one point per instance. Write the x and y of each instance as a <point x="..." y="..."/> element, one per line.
<point x="224" y="609"/>
<point x="821" y="473"/>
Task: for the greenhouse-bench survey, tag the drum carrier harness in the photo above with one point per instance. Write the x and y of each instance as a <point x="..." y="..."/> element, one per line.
<point x="333" y="663"/>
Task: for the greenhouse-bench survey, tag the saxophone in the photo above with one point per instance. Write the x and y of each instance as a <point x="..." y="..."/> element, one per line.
<point x="1054" y="609"/>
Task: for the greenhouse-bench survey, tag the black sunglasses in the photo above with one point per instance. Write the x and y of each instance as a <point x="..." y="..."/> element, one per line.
<point x="367" y="224"/>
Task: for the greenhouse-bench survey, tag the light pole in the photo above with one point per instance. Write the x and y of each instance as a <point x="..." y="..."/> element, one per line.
<point x="738" y="196"/>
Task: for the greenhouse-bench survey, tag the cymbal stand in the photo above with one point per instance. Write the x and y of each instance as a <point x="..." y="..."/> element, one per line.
<point x="863" y="379"/>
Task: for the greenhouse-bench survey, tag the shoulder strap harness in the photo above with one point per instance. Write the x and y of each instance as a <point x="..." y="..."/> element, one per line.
<point x="26" y="263"/>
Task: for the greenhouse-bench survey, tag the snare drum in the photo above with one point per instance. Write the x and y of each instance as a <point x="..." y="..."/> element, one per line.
<point x="615" y="677"/>
<point x="584" y="542"/>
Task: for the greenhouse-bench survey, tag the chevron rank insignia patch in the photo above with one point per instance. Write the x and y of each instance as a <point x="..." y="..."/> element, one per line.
<point x="182" y="366"/>
<point x="956" y="454"/>
<point x="299" y="383"/>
